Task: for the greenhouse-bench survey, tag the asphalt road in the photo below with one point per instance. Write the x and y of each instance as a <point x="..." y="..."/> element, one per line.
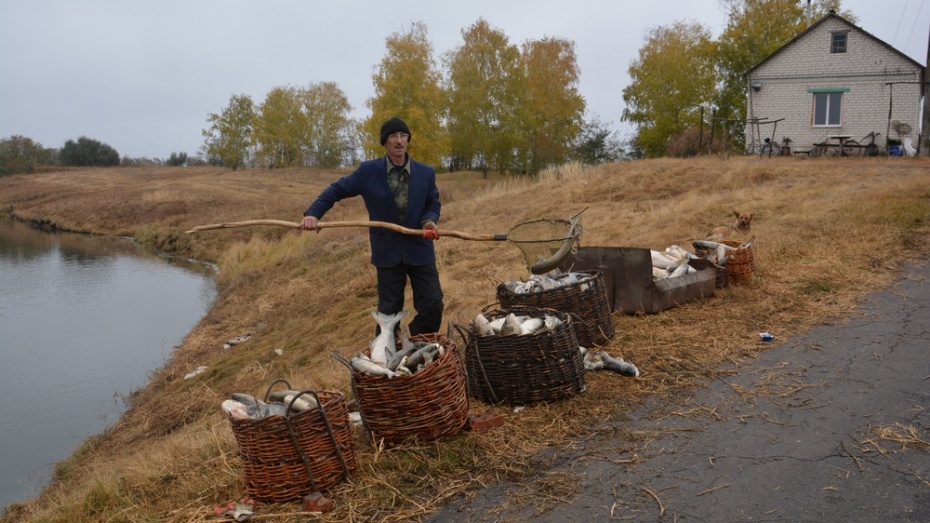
<point x="831" y="426"/>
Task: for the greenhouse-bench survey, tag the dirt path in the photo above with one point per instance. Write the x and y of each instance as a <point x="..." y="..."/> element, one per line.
<point x="830" y="426"/>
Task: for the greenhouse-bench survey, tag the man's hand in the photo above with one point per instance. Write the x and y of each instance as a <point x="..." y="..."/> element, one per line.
<point x="310" y="223"/>
<point x="429" y="230"/>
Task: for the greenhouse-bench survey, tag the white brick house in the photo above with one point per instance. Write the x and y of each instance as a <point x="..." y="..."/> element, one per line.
<point x="834" y="79"/>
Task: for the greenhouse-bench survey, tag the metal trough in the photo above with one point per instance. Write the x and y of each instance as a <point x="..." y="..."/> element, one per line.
<point x="630" y="286"/>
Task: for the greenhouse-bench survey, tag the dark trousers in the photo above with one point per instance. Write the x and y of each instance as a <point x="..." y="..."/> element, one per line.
<point x="427" y="294"/>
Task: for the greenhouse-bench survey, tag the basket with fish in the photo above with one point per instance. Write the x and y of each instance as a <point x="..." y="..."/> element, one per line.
<point x="418" y="393"/>
<point x="581" y="294"/>
<point x="293" y="442"/>
<point x="523" y="355"/>
<point x="735" y="256"/>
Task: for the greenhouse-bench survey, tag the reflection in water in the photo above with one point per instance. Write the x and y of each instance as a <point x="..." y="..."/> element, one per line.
<point x="83" y="322"/>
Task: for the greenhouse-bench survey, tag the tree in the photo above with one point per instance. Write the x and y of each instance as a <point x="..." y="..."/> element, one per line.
<point x="87" y="152"/>
<point x="19" y="154"/>
<point x="279" y="126"/>
<point x="229" y="138"/>
<point x="408" y="84"/>
<point x="325" y="135"/>
<point x="596" y="144"/>
<point x="755" y="29"/>
<point x="176" y="159"/>
<point x="485" y="82"/>
<point x="552" y="108"/>
<point x="671" y="79"/>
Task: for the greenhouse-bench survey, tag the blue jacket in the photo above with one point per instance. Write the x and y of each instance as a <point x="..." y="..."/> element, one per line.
<point x="369" y="181"/>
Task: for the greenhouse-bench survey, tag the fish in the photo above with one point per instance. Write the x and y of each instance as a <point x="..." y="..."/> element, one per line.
<point x="362" y="363"/>
<point x="405" y="342"/>
<point x="246" y="399"/>
<point x="531" y="325"/>
<point x="481" y="326"/>
<point x="303" y="402"/>
<point x="237" y="340"/>
<point x="384" y="343"/>
<point x="677" y="252"/>
<point x="592" y="361"/>
<point x="619" y="366"/>
<point x="511" y="325"/>
<point x="235" y="409"/>
<point x="708" y="245"/>
<point x="681" y="270"/>
<point x="400" y="357"/>
<point x="423" y="356"/>
<point x="256" y="408"/>
<point x="659" y="274"/>
<point x="551" y="322"/>
<point x="663" y="261"/>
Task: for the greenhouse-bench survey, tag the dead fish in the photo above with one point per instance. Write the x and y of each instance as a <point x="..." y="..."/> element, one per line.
<point x="659" y="274"/>
<point x="677" y="252"/>
<point x="481" y="326"/>
<point x="531" y="325"/>
<point x="681" y="270"/>
<point x="424" y="356"/>
<point x="592" y="361"/>
<point x="618" y="365"/>
<point x="511" y="325"/>
<point x="708" y="245"/>
<point x="663" y="261"/>
<point x="383" y="344"/>
<point x="551" y="322"/>
<point x="236" y="341"/>
<point x="235" y="409"/>
<point x="361" y="363"/>
<point x="303" y="402"/>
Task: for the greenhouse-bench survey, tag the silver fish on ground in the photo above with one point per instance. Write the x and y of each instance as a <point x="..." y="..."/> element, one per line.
<point x="383" y="345"/>
<point x="592" y="360"/>
<point x="362" y="363"/>
<point x="618" y="365"/>
<point x="237" y="340"/>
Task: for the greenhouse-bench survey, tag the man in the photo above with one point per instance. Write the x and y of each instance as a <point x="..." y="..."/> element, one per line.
<point x="399" y="190"/>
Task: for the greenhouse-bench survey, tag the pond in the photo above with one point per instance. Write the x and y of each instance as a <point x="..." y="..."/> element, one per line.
<point x="84" y="320"/>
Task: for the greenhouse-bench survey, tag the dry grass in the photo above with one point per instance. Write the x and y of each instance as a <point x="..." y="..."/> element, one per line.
<point x="828" y="232"/>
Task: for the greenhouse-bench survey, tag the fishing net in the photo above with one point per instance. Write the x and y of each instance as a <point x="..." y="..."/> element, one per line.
<point x="546" y="242"/>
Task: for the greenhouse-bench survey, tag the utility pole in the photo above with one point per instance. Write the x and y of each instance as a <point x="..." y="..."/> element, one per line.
<point x="924" y="149"/>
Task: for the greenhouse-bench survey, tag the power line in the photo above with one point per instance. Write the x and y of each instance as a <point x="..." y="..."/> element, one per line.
<point x="916" y="18"/>
<point x="895" y="39"/>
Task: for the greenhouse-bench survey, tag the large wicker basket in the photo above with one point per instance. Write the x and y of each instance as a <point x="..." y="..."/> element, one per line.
<point x="287" y="457"/>
<point x="586" y="300"/>
<point x="425" y="406"/>
<point x="527" y="368"/>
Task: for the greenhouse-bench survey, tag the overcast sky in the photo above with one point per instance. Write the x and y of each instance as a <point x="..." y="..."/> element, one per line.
<point x="143" y="76"/>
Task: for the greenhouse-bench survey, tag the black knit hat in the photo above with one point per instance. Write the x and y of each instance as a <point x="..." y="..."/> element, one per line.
<point x="394" y="125"/>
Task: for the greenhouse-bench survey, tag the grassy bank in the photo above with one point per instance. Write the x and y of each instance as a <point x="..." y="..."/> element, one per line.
<point x="828" y="232"/>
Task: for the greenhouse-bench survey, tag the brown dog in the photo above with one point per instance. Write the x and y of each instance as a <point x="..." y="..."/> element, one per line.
<point x="742" y="224"/>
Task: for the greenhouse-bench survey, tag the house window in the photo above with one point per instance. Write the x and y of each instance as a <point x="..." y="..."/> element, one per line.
<point x="838" y="42"/>
<point x="827" y="108"/>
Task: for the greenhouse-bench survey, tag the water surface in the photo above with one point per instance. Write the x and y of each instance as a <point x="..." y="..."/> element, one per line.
<point x="84" y="320"/>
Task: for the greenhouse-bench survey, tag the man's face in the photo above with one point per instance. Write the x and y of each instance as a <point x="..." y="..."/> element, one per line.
<point x="396" y="145"/>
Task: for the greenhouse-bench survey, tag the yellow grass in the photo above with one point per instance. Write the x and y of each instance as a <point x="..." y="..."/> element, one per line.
<point x="828" y="231"/>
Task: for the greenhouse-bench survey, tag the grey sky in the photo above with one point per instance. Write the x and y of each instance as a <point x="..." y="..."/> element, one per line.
<point x="143" y="76"/>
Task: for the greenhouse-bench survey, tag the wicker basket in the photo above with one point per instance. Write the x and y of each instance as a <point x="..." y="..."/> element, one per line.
<point x="585" y="300"/>
<point x="528" y="368"/>
<point x="287" y="457"/>
<point x="425" y="406"/>
<point x="739" y="267"/>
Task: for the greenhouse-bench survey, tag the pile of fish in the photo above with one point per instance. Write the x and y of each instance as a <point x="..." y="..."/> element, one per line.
<point x="720" y="253"/>
<point x="386" y="359"/>
<point x="671" y="263"/>
<point x="512" y="324"/>
<point x="552" y="280"/>
<point x="600" y="360"/>
<point x="245" y="406"/>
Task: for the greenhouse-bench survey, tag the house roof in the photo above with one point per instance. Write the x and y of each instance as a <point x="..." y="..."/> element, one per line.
<point x="813" y="26"/>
